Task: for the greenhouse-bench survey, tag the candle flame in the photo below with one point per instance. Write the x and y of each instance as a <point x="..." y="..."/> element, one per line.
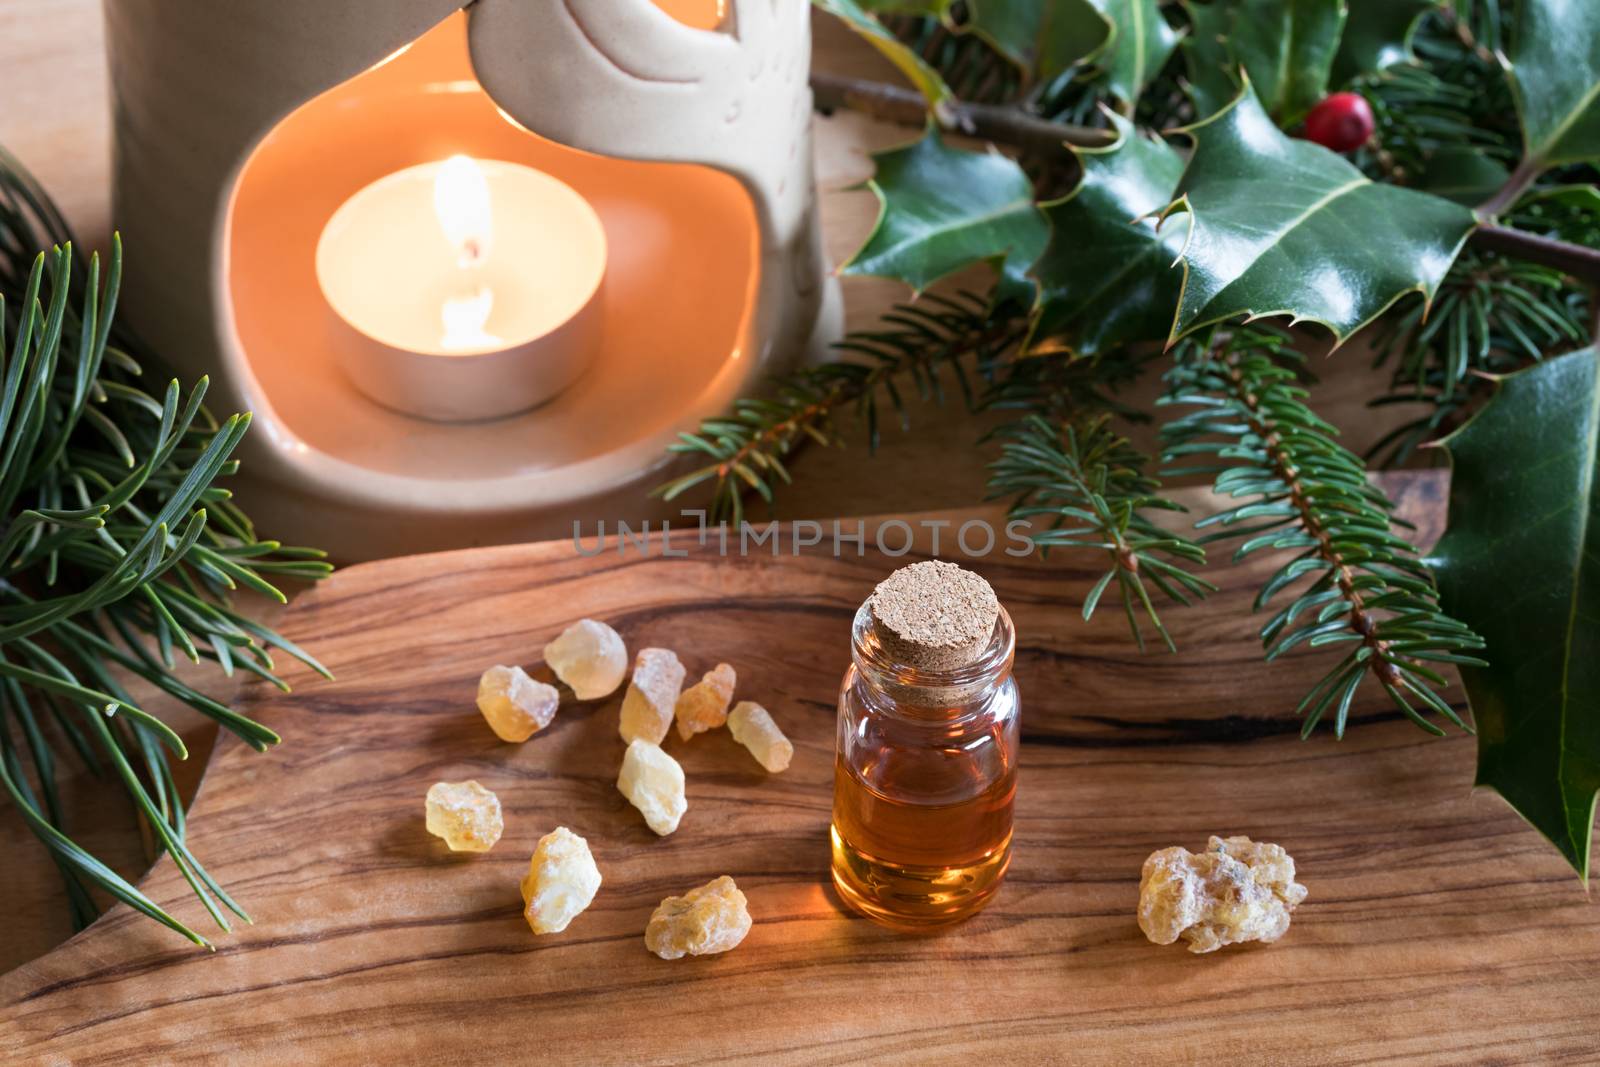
<point x="464" y="321"/>
<point x="461" y="200"/>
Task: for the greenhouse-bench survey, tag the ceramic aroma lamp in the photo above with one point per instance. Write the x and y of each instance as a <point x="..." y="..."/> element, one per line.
<point x="470" y="268"/>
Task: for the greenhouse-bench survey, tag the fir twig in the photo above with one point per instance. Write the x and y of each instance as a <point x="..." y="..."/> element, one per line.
<point x="1306" y="494"/>
<point x="1092" y="488"/>
<point x="1491" y="315"/>
<point x="747" y="448"/>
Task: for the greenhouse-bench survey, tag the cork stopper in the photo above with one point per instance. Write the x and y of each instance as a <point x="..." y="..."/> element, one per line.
<point x="934" y="615"/>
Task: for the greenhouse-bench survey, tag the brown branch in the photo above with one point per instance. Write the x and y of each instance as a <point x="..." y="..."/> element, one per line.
<point x="1579" y="261"/>
<point x="1516" y="184"/>
<point x="1004" y="125"/>
<point x="1016" y="128"/>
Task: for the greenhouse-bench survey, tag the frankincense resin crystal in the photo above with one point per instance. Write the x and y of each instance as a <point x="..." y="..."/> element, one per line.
<point x="752" y="727"/>
<point x="1236" y="890"/>
<point x="653" y="782"/>
<point x="561" y="881"/>
<point x="710" y="919"/>
<point x="465" y="814"/>
<point x="516" y="706"/>
<point x="704" y="705"/>
<point x="652" y="695"/>
<point x="589" y="657"/>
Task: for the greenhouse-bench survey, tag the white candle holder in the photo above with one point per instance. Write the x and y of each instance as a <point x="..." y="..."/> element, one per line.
<point x="242" y="127"/>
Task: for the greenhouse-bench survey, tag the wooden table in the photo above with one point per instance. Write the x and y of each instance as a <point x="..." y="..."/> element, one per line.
<point x="1439" y="927"/>
<point x="53" y="83"/>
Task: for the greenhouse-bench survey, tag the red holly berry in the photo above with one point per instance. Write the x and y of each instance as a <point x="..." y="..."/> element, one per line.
<point x="1342" y="122"/>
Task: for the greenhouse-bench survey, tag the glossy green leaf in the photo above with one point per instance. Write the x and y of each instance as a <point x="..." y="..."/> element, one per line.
<point x="1279" y="226"/>
<point x="1520" y="563"/>
<point x="1377" y="35"/>
<point x="926" y="80"/>
<point x="1207" y="60"/>
<point x="1287" y="48"/>
<point x="1140" y="42"/>
<point x="1108" y="275"/>
<point x="945" y="208"/>
<point x="1554" y="65"/>
<point x="1044" y="37"/>
<point x="1462" y="173"/>
<point x="934" y="8"/>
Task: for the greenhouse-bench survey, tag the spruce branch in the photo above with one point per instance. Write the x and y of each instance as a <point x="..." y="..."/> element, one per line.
<point x="118" y="550"/>
<point x="1093" y="490"/>
<point x="1307" y="495"/>
<point x="747" y="448"/>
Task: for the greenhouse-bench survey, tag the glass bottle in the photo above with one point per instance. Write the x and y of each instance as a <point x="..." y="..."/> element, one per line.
<point x="925" y="779"/>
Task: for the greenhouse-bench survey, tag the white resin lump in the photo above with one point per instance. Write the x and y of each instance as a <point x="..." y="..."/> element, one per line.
<point x="465" y="814"/>
<point x="516" y="706"/>
<point x="653" y="782"/>
<point x="1237" y="890"/>
<point x="652" y="695"/>
<point x="561" y="881"/>
<point x="713" y="918"/>
<point x="752" y="726"/>
<point x="589" y="657"/>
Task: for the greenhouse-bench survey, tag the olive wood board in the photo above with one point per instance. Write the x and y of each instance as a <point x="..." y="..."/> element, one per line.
<point x="1439" y="928"/>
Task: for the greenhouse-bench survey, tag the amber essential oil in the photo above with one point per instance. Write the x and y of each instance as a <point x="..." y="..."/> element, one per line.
<point x="926" y="773"/>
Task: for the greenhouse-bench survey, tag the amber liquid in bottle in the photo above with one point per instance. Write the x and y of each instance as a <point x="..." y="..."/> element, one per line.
<point x="923" y="793"/>
<point x="918" y="864"/>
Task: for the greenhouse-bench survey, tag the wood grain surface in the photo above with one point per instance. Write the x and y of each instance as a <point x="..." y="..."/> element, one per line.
<point x="1439" y="928"/>
<point x="54" y="116"/>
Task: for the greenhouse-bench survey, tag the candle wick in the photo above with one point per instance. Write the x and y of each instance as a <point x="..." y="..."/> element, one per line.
<point x="471" y="252"/>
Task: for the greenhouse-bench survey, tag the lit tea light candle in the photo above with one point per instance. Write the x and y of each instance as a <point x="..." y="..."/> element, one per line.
<point x="464" y="289"/>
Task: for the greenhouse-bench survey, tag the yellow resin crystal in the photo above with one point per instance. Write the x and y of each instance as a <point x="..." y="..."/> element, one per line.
<point x="589" y="657"/>
<point x="1236" y="890"/>
<point x="465" y="814"/>
<point x="653" y="782"/>
<point x="713" y="918"/>
<point x="561" y="881"/>
<point x="652" y="695"/>
<point x="704" y="706"/>
<point x="752" y="727"/>
<point x="516" y="706"/>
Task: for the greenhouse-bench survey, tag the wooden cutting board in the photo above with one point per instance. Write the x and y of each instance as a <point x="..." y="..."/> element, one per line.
<point x="1439" y="927"/>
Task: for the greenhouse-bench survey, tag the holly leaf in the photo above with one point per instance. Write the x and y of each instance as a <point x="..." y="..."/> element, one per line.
<point x="1377" y="35"/>
<point x="1554" y="67"/>
<point x="1107" y="276"/>
<point x="1207" y="60"/>
<point x="934" y="8"/>
<point x="1137" y="46"/>
<point x="945" y="208"/>
<point x="1287" y="47"/>
<point x="1043" y="37"/>
<point x="1520" y="563"/>
<point x="1462" y="173"/>
<point x="1285" y="227"/>
<point x="923" y="77"/>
